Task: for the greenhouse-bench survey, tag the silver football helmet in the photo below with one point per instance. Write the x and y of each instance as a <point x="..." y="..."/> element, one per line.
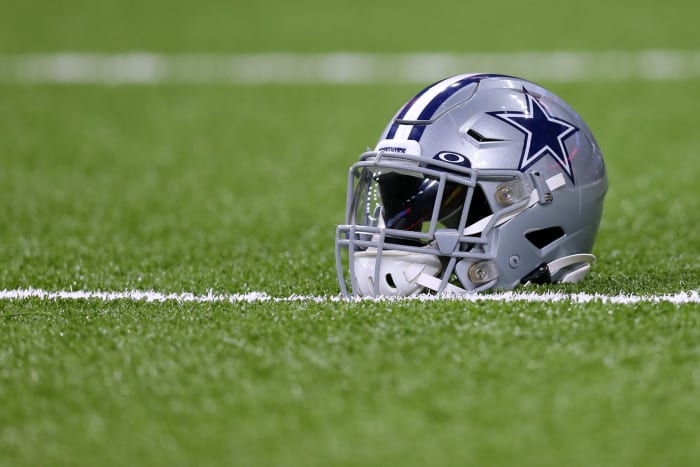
<point x="479" y="182"/>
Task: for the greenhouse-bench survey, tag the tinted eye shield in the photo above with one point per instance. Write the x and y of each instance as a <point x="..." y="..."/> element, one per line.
<point x="404" y="199"/>
<point x="409" y="201"/>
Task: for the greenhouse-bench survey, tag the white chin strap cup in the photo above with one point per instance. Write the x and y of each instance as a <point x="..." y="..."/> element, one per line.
<point x="399" y="272"/>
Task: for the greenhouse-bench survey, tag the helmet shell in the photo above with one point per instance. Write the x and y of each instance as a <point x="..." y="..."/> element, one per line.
<point x="482" y="131"/>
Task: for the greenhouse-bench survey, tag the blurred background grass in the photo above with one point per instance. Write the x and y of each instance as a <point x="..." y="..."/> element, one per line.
<point x="355" y="25"/>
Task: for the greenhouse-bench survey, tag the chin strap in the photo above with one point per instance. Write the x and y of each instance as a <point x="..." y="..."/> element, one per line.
<point x="433" y="283"/>
<point x="553" y="183"/>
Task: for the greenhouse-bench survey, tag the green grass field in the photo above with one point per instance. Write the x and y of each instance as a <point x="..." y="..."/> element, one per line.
<point x="235" y="188"/>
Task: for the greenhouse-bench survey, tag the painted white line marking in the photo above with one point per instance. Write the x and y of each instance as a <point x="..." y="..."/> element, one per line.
<point x="342" y="67"/>
<point x="255" y="297"/>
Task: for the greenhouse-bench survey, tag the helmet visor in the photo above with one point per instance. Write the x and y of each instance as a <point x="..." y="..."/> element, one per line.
<point x="405" y="201"/>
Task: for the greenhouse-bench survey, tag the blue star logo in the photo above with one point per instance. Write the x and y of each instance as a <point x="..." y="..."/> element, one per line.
<point x="544" y="134"/>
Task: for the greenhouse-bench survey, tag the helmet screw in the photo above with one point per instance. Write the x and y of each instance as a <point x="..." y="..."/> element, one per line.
<point x="511" y="192"/>
<point x="482" y="272"/>
<point x="514" y="261"/>
<point x="506" y="194"/>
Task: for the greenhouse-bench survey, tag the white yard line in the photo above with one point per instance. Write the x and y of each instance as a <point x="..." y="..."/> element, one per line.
<point x="342" y="67"/>
<point x="256" y="297"/>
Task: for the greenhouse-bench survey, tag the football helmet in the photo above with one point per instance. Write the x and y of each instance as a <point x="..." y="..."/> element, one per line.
<point x="479" y="182"/>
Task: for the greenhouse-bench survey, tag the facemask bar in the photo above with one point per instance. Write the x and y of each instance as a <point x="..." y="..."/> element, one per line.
<point x="354" y="237"/>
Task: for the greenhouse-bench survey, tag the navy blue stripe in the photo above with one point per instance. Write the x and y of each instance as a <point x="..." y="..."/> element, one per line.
<point x="438" y="100"/>
<point x="395" y="126"/>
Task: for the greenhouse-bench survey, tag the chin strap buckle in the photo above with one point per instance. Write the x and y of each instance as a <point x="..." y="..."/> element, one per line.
<point x="545" y="272"/>
<point x="539" y="275"/>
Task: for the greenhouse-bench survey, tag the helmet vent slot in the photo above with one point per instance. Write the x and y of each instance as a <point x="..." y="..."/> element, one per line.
<point x="543" y="237"/>
<point x="390" y="281"/>
<point x="479" y="137"/>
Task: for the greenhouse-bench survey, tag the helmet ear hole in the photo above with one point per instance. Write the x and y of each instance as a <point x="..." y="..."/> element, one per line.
<point x="390" y="281"/>
<point x="543" y="237"/>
